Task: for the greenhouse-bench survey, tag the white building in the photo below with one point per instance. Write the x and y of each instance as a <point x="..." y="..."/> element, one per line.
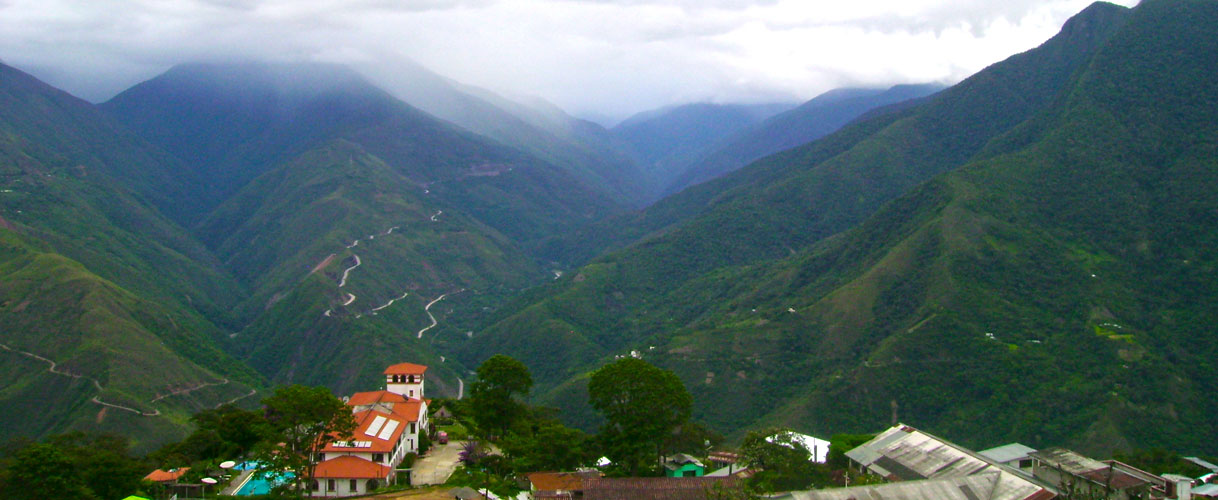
<point x="388" y="425"/>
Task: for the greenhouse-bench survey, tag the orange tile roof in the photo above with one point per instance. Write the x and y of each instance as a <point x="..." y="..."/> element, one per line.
<point x="410" y="410"/>
<point x="405" y="369"/>
<point x="553" y="481"/>
<point x="367" y="398"/>
<point x="364" y="420"/>
<point x="160" y="476"/>
<point x="349" y="467"/>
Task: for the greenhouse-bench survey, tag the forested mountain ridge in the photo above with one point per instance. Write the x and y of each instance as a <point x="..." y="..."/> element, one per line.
<point x="584" y="149"/>
<point x="336" y="201"/>
<point x="967" y="293"/>
<point x="233" y="122"/>
<point x="665" y="141"/>
<point x="820" y="116"/>
<point x="98" y="290"/>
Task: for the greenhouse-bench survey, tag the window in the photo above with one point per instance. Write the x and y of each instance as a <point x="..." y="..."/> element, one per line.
<point x="330" y="485"/>
<point x="412" y="393"/>
<point x="372" y="485"/>
<point x="315" y="486"/>
<point x="378" y="457"/>
<point x="353" y="486"/>
<point x="412" y="430"/>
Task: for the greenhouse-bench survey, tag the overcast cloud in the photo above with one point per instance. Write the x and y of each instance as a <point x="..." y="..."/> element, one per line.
<point x="592" y="57"/>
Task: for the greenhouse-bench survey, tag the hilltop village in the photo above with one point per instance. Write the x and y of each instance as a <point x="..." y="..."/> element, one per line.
<point x="398" y="442"/>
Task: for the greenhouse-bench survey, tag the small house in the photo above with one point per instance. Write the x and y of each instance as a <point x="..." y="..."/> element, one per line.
<point x="682" y="465"/>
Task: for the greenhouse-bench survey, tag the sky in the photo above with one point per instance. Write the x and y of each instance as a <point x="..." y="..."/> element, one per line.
<point x="601" y="59"/>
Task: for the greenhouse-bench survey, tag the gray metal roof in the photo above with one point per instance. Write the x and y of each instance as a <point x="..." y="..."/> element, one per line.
<point x="1203" y="463"/>
<point x="1209" y="490"/>
<point x="992" y="485"/>
<point x="1068" y="461"/>
<point x="923" y="462"/>
<point x="1007" y="453"/>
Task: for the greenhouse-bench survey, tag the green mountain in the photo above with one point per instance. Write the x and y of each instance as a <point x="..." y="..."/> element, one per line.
<point x="233" y="122"/>
<point x="584" y="149"/>
<point x="1026" y="256"/>
<point x="95" y="280"/>
<point x="666" y="141"/>
<point x="340" y="247"/>
<point x="811" y="120"/>
<point x="345" y="212"/>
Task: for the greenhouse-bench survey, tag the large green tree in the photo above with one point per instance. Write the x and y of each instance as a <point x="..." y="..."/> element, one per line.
<point x="75" y="465"/>
<point x="304" y="419"/>
<point x="642" y="405"/>
<point x="501" y="379"/>
<point x="779" y="461"/>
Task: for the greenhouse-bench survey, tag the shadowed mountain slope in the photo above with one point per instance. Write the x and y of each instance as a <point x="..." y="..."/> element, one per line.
<point x="997" y="254"/>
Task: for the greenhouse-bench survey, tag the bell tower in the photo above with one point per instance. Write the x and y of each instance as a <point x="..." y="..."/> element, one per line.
<point x="405" y="379"/>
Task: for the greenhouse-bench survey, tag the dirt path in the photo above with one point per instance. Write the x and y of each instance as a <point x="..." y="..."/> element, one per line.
<point x="53" y="369"/>
<point x="347" y="272"/>
<point x="238" y="398"/>
<point x="427" y="310"/>
<point x="187" y="389"/>
<point x="391" y="301"/>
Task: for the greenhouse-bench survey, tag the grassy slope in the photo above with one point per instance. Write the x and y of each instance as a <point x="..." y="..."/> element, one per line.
<point x="287" y="233"/>
<point x="1056" y="292"/>
<point x="279" y="112"/>
<point x="810" y="121"/>
<point x="59" y="164"/>
<point x="134" y="348"/>
<point x="775" y="208"/>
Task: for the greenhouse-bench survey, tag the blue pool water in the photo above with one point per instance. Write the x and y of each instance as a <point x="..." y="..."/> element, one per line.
<point x="261" y="486"/>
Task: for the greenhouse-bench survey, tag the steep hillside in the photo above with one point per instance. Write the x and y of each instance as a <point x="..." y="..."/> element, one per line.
<point x="232" y="123"/>
<point x="799" y="196"/>
<point x="582" y="148"/>
<point x="96" y="281"/>
<point x="700" y="275"/>
<point x="812" y="120"/>
<point x="338" y="246"/>
<point x="1060" y="291"/>
<point x="665" y="141"/>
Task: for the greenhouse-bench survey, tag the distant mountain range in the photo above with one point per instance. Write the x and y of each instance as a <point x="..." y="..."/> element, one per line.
<point x="1023" y="256"/>
<point x="1026" y="255"/>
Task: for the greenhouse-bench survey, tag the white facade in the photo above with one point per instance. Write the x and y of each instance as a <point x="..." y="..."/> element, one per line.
<point x="346" y="487"/>
<point x="410" y="386"/>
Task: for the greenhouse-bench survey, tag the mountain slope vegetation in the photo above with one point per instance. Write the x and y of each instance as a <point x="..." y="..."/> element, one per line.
<point x="665" y="141"/>
<point x="811" y="120"/>
<point x="1043" y="288"/>
<point x="98" y="282"/>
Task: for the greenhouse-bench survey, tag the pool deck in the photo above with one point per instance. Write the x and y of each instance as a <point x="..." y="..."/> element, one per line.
<point x="237" y="482"/>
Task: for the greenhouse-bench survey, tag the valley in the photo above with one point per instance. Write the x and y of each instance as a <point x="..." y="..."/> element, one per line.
<point x="1025" y="254"/>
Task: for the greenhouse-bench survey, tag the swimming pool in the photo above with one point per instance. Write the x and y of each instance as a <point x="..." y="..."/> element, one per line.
<point x="256" y="485"/>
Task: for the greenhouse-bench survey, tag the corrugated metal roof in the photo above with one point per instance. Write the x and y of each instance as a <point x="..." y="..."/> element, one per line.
<point x="923" y="461"/>
<point x="1203" y="463"/>
<point x="1068" y="461"/>
<point x="1007" y="452"/>
<point x="979" y="487"/>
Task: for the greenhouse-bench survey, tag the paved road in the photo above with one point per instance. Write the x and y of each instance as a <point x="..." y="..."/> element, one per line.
<point x="437" y="465"/>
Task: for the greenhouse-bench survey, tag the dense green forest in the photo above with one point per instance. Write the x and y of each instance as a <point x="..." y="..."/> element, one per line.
<point x="1020" y="257"/>
<point x="1026" y="255"/>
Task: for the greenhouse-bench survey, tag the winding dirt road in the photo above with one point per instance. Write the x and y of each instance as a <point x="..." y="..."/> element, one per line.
<point x="96" y="384"/>
<point x="427" y="310"/>
<point x="343" y="282"/>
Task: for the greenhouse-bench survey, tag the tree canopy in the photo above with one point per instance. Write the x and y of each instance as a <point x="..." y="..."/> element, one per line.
<point x="298" y="416"/>
<point x="642" y="405"/>
<point x="501" y="379"/>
